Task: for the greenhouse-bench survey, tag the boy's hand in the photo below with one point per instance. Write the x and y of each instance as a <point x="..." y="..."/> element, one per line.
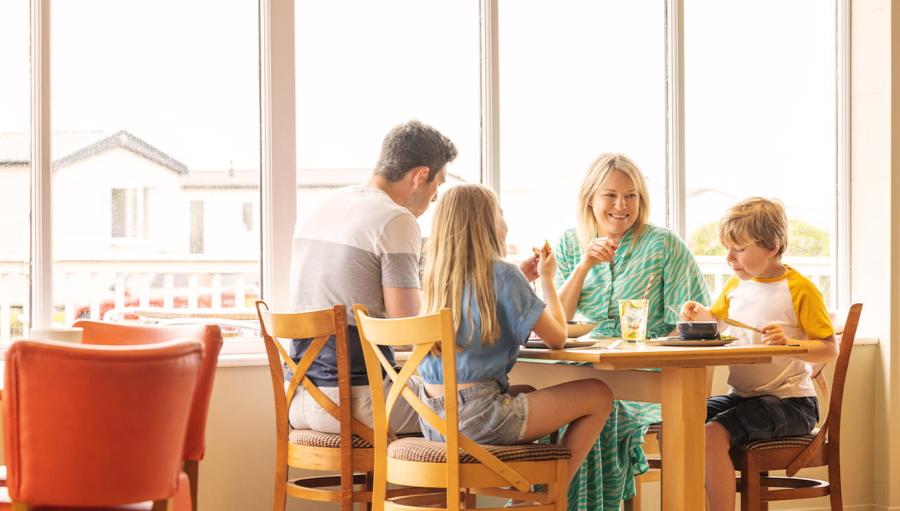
<point x="530" y="268"/>
<point x="695" y="311"/>
<point x="773" y="335"/>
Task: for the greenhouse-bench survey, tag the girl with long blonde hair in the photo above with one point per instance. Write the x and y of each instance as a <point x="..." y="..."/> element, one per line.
<point x="494" y="311"/>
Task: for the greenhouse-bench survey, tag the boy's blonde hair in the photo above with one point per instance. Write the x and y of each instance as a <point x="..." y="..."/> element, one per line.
<point x="460" y="254"/>
<point x="602" y="167"/>
<point x="755" y="220"/>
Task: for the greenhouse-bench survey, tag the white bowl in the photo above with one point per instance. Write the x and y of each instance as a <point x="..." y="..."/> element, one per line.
<point x="579" y="328"/>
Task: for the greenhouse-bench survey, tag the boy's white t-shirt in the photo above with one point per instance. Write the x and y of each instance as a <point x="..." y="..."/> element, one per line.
<point x="791" y="301"/>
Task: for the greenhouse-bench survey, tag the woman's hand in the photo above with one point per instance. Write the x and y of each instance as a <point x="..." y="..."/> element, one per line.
<point x="773" y="335"/>
<point x="694" y="311"/>
<point x="601" y="250"/>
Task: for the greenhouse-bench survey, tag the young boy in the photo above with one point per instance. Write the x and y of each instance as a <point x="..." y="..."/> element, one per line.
<point x="765" y="400"/>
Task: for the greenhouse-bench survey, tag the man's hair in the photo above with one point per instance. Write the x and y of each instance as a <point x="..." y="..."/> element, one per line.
<point x="756" y="220"/>
<point x="413" y="144"/>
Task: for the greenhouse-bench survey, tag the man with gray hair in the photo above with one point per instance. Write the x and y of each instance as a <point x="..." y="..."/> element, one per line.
<point x="362" y="245"/>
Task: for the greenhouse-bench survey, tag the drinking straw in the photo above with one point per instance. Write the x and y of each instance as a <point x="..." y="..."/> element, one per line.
<point x="680" y="315"/>
<point x="647" y="289"/>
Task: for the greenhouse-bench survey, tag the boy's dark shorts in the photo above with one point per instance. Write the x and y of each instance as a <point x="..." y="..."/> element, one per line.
<point x="762" y="417"/>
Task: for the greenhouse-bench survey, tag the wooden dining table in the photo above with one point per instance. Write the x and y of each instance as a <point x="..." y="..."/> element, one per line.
<point x="680" y="386"/>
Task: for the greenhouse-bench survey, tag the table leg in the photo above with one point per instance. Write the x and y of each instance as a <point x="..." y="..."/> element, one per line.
<point x="683" y="396"/>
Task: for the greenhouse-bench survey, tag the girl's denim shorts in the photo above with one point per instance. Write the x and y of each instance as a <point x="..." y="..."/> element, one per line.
<point x="486" y="415"/>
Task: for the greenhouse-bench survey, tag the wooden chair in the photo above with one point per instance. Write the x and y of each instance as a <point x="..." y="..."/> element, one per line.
<point x="819" y="448"/>
<point x="97" y="427"/>
<point x="118" y="334"/>
<point x="459" y="465"/>
<point x="350" y="453"/>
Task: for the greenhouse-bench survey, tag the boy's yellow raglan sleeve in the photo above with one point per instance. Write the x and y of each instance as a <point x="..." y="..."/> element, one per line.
<point x="812" y="314"/>
<point x="719" y="308"/>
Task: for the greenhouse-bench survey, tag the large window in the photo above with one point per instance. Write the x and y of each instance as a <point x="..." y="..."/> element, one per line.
<point x="156" y="152"/>
<point x="760" y="121"/>
<point x="363" y="67"/>
<point x="156" y="139"/>
<point x="577" y="79"/>
<point x="15" y="169"/>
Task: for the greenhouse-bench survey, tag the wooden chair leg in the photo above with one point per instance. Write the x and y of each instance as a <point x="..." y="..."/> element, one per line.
<point x="751" y="490"/>
<point x="834" y="485"/>
<point x="281" y="477"/>
<point x="559" y="490"/>
<point x="192" y="469"/>
<point x="471" y="500"/>
<point x="370" y="481"/>
<point x="162" y="505"/>
<point x="763" y="505"/>
<point x="634" y="503"/>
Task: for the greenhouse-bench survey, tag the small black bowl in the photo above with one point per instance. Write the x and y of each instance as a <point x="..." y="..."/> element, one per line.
<point x="698" y="330"/>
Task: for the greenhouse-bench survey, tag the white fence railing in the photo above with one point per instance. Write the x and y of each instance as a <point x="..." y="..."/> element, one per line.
<point x="89" y="288"/>
<point x="820" y="270"/>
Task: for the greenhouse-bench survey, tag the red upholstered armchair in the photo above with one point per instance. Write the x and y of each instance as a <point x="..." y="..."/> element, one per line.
<point x="100" y="332"/>
<point x="97" y="426"/>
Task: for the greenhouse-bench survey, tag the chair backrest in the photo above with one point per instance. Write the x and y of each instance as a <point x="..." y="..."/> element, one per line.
<point x="320" y="326"/>
<point x="424" y="333"/>
<point x="118" y="334"/>
<point x="831" y="428"/>
<point x="833" y="422"/>
<point x="96" y="425"/>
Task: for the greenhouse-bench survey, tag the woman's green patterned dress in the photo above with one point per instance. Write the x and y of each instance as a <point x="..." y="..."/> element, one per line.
<point x="607" y="474"/>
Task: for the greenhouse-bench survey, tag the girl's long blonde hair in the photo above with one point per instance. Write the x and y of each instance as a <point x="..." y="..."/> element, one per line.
<point x="460" y="254"/>
<point x="602" y="167"/>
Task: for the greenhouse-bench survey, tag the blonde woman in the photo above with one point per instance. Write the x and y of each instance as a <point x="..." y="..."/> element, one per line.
<point x="611" y="256"/>
<point x="494" y="311"/>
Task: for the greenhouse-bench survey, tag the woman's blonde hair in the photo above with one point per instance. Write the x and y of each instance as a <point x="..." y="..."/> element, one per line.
<point x="460" y="255"/>
<point x="602" y="167"/>
<point x="755" y="220"/>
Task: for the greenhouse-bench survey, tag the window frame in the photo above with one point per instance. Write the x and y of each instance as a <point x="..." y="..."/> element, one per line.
<point x="278" y="179"/>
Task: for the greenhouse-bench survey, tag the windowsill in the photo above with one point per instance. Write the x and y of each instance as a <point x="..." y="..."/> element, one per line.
<point x="243" y="360"/>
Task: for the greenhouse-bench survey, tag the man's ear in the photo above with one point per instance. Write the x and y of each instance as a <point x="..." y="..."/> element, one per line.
<point x="420" y="175"/>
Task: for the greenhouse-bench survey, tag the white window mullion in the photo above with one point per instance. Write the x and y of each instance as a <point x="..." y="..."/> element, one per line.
<point x="490" y="96"/>
<point x="278" y="190"/>
<point x="675" y="135"/>
<point x="41" y="313"/>
<point x="841" y="240"/>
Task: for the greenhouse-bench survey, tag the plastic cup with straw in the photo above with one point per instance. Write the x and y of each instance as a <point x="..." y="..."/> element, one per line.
<point x="633" y="315"/>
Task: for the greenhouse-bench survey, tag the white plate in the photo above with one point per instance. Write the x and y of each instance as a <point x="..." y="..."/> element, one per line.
<point x="678" y="341"/>
<point x="571" y="343"/>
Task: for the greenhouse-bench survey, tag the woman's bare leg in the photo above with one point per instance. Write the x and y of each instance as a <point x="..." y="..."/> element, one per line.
<point x="584" y="405"/>
<point x="515" y="390"/>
